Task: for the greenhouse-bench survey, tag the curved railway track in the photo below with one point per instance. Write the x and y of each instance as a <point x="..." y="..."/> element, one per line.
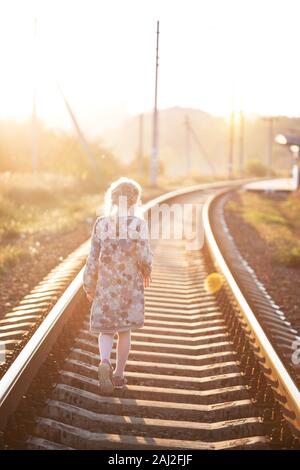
<point x="202" y="373"/>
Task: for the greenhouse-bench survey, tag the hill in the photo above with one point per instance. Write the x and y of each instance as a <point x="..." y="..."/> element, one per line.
<point x="212" y="134"/>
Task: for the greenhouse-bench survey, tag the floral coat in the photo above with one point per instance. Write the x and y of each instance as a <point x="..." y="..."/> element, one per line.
<point x="120" y="255"/>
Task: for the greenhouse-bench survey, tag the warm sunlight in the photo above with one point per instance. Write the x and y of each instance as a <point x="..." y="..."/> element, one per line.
<point x="102" y="53"/>
<point x="149" y="229"/>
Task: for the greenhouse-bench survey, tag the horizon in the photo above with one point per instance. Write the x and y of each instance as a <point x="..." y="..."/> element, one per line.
<point x="69" y="128"/>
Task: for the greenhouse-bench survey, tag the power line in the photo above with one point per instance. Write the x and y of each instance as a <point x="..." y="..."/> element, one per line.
<point x="80" y="134"/>
<point x="202" y="149"/>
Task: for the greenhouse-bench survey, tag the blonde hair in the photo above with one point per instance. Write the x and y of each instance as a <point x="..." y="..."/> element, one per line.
<point x="125" y="188"/>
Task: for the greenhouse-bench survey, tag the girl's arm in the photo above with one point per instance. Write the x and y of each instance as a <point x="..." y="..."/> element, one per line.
<point x="90" y="273"/>
<point x="144" y="252"/>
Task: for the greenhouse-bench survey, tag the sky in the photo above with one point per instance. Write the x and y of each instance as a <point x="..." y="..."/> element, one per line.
<point x="213" y="53"/>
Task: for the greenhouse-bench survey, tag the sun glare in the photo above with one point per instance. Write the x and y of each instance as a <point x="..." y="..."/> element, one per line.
<point x="103" y="56"/>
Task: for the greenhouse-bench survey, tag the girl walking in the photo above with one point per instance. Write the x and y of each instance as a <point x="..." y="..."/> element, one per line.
<point x="117" y="270"/>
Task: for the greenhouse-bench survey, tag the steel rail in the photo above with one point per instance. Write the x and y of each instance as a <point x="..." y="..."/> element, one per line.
<point x="279" y="377"/>
<point x="16" y="381"/>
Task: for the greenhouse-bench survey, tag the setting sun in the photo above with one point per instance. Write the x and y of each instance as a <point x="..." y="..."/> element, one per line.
<point x="102" y="53"/>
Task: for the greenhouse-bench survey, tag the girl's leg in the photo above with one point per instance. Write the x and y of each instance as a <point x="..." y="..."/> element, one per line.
<point x="105" y="346"/>
<point x="105" y="369"/>
<point x="123" y="348"/>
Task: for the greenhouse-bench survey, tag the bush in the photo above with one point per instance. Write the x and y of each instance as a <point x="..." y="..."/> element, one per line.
<point x="133" y="167"/>
<point x="256" y="168"/>
<point x="289" y="256"/>
<point x="58" y="152"/>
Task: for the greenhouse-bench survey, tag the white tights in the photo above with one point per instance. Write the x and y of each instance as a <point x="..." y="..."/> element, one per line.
<point x="123" y="348"/>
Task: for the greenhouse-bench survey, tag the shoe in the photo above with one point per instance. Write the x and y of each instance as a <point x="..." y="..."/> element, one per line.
<point x="118" y="382"/>
<point x="105" y="377"/>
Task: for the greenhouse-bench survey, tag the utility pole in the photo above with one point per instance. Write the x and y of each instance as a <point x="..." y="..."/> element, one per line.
<point x="154" y="154"/>
<point x="270" y="120"/>
<point x="270" y="152"/>
<point x="231" y="145"/>
<point x="141" y="145"/>
<point x="34" y="146"/>
<point x="187" y="146"/>
<point x="242" y="130"/>
<point x="231" y="138"/>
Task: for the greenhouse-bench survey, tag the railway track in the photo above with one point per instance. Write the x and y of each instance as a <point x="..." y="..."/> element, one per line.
<point x="202" y="374"/>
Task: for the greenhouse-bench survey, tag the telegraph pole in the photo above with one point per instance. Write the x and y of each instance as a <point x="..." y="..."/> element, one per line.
<point x="141" y="145"/>
<point x="231" y="137"/>
<point x="270" y="152"/>
<point x="231" y="145"/>
<point x="154" y="154"/>
<point x="270" y="120"/>
<point x="34" y="146"/>
<point x="187" y="146"/>
<point x="242" y="130"/>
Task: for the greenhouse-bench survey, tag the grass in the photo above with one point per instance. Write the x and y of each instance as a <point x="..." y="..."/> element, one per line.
<point x="10" y="255"/>
<point x="277" y="222"/>
<point x="33" y="205"/>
